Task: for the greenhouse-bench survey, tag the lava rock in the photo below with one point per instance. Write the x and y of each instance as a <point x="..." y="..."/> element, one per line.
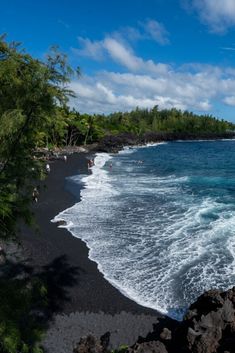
<point x="165" y="335"/>
<point x="91" y="344"/>
<point x="148" y="347"/>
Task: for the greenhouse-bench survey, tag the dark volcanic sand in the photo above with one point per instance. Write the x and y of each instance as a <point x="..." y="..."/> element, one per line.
<point x="92" y="304"/>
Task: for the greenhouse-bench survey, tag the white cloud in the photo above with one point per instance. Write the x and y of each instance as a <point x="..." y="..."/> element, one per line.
<point x="146" y="83"/>
<point x="219" y="15"/>
<point x="130" y="33"/>
<point x="126" y="57"/>
<point x="116" y="43"/>
<point x="92" y="49"/>
<point x="120" y="52"/>
<point x="228" y="48"/>
<point x="230" y="100"/>
<point x="113" y="91"/>
<point x="156" y="31"/>
<point x="99" y="98"/>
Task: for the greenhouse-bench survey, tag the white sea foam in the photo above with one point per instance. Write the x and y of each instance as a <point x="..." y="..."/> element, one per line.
<point x="232" y="139"/>
<point x="159" y="245"/>
<point x="127" y="150"/>
<point x="153" y="144"/>
<point x="205" y="140"/>
<point x="132" y="149"/>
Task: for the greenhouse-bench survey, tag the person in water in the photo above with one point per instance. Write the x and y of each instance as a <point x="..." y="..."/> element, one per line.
<point x="90" y="163"/>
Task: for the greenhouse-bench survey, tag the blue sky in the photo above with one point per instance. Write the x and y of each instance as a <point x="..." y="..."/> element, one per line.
<point x="173" y="53"/>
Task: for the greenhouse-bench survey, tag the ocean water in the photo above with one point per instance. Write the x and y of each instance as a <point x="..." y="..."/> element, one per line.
<point x="160" y="223"/>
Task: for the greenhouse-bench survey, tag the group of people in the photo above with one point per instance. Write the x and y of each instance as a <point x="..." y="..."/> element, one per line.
<point x="35" y="193"/>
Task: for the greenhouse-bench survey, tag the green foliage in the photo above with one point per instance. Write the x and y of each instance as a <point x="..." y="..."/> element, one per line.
<point x="20" y="326"/>
<point x="72" y="128"/>
<point x="85" y="128"/>
<point x="122" y="349"/>
<point x="141" y="121"/>
<point x="31" y="93"/>
<point x="34" y="113"/>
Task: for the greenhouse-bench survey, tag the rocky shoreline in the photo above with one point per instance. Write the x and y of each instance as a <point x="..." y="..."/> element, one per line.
<point x="86" y="301"/>
<point x="94" y="306"/>
<point x="208" y="327"/>
<point x="114" y="143"/>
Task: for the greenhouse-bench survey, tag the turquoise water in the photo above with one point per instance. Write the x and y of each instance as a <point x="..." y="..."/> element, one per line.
<point x="161" y="222"/>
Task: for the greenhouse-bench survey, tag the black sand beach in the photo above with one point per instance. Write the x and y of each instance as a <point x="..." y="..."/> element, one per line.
<point x="89" y="303"/>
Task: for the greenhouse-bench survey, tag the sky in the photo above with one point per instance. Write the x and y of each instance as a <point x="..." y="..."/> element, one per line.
<point x="170" y="53"/>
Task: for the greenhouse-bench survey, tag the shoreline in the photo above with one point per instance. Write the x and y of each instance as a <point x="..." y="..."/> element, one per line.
<point x="115" y="143"/>
<point x="62" y="223"/>
<point x="66" y="198"/>
<point x="90" y="292"/>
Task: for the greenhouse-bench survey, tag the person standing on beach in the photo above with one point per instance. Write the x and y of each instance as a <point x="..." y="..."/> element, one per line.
<point x="35" y="194"/>
<point x="48" y="169"/>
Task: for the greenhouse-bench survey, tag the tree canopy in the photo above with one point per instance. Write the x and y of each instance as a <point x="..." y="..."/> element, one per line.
<point x="34" y="112"/>
<point x="31" y="92"/>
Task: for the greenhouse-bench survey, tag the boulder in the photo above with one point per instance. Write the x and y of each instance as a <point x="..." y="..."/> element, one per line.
<point x="61" y="223"/>
<point x="209" y="321"/>
<point x="208" y="327"/>
<point x="91" y="344"/>
<point x="165" y="335"/>
<point x="148" y="347"/>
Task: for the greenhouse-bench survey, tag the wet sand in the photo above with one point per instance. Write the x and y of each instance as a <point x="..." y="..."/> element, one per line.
<point x="89" y="304"/>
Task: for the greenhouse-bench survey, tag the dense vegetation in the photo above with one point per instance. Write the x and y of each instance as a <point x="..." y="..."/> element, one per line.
<point x="35" y="113"/>
<point x="31" y="93"/>
<point x="22" y="302"/>
<point x="75" y="128"/>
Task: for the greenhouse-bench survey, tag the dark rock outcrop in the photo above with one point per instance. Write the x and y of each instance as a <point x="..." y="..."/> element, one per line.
<point x="61" y="223"/>
<point x="148" y="347"/>
<point x="114" y="143"/>
<point x="208" y="327"/>
<point x="91" y="344"/>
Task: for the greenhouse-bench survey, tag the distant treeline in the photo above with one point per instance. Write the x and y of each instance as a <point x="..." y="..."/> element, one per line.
<point x="35" y="113"/>
<point x="73" y="128"/>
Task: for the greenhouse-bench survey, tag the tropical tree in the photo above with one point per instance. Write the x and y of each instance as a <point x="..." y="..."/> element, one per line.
<point x="30" y="93"/>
